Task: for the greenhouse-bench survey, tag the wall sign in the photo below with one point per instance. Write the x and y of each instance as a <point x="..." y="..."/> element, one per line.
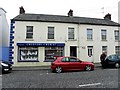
<point x="41" y="44"/>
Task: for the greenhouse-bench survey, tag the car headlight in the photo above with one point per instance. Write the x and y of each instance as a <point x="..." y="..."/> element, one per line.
<point x="4" y="64"/>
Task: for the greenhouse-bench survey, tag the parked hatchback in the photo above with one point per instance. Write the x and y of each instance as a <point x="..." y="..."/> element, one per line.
<point x="70" y="64"/>
<point x="112" y="61"/>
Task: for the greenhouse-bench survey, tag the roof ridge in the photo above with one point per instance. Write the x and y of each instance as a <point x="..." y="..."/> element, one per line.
<point x="64" y="19"/>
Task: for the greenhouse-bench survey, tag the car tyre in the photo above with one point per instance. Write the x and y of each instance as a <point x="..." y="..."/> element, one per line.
<point x="88" y="68"/>
<point x="117" y="65"/>
<point x="58" y="69"/>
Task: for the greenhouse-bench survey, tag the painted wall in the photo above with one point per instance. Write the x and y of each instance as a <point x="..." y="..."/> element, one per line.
<point x="97" y="43"/>
<point x="4" y="36"/>
<point x="61" y="36"/>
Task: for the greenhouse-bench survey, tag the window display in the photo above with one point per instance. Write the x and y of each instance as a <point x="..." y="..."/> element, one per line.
<point x="53" y="52"/>
<point x="28" y="53"/>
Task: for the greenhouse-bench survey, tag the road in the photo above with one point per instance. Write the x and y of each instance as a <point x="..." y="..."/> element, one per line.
<point x="36" y="78"/>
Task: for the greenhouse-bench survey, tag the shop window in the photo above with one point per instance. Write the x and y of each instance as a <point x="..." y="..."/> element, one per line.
<point x="51" y="53"/>
<point x="28" y="53"/>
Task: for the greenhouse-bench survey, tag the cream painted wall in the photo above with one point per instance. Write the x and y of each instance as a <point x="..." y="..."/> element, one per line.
<point x="61" y="35"/>
<point x="97" y="43"/>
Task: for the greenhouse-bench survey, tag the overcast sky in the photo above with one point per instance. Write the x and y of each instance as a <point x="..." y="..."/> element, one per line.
<point x="82" y="8"/>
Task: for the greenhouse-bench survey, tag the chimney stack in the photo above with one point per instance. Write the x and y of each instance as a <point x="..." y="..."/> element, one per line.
<point x="107" y="16"/>
<point x="22" y="11"/>
<point x="70" y="13"/>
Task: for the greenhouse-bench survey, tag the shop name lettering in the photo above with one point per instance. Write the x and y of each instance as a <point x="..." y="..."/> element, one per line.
<point x="39" y="44"/>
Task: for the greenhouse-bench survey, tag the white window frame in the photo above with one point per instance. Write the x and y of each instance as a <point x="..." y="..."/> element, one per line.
<point x="89" y="34"/>
<point x="51" y="33"/>
<point x="104" y="48"/>
<point x="103" y="34"/>
<point x="28" y="54"/>
<point x="117" y="50"/>
<point x="71" y="33"/>
<point x="116" y="35"/>
<point x="29" y="32"/>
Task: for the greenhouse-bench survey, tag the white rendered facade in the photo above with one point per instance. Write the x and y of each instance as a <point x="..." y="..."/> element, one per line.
<point x="80" y="42"/>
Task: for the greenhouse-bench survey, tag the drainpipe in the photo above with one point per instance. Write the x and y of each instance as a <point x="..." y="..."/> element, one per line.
<point x="78" y="41"/>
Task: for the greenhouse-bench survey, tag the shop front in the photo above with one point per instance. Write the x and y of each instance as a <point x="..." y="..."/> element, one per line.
<point x="31" y="52"/>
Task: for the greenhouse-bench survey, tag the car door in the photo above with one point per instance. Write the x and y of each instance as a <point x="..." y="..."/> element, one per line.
<point x="75" y="63"/>
<point x="65" y="63"/>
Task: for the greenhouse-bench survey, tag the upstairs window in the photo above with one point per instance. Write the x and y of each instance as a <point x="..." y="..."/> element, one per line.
<point x="71" y="33"/>
<point x="116" y="33"/>
<point x="104" y="34"/>
<point x="89" y="34"/>
<point x="50" y="32"/>
<point x="29" y="32"/>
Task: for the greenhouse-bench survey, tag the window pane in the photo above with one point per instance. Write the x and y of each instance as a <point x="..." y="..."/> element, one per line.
<point x="90" y="51"/>
<point x="50" y="32"/>
<point x="89" y="34"/>
<point x="104" y="49"/>
<point x="29" y="35"/>
<point x="29" y="28"/>
<point x="52" y="52"/>
<point x="29" y="32"/>
<point x="70" y="33"/>
<point x="28" y="53"/>
<point x="117" y="50"/>
<point x="103" y="34"/>
<point x="116" y="32"/>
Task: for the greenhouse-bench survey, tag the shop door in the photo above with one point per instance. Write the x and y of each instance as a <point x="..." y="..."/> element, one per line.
<point x="73" y="51"/>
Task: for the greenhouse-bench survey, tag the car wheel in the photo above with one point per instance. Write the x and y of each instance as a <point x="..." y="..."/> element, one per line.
<point x="88" y="68"/>
<point x="117" y="65"/>
<point x="58" y="69"/>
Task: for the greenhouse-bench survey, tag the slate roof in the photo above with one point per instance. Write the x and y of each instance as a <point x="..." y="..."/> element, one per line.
<point x="64" y="19"/>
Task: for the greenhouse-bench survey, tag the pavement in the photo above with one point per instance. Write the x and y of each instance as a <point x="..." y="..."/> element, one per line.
<point x="97" y="65"/>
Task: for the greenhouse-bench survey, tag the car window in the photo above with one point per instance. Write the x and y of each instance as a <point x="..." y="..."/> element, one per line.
<point x="66" y="59"/>
<point x="74" y="60"/>
<point x="118" y="57"/>
<point x="113" y="57"/>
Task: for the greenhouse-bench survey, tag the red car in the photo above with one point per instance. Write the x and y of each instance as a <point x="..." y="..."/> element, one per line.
<point x="70" y="63"/>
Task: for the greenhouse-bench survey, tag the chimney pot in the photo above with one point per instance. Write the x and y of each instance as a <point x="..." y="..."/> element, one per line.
<point x="22" y="11"/>
<point x="70" y="13"/>
<point x="107" y="16"/>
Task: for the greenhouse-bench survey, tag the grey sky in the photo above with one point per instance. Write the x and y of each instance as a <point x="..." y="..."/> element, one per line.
<point x="82" y="8"/>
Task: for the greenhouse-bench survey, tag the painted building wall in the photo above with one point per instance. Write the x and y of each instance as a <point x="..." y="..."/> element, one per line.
<point x="40" y="30"/>
<point x="97" y="43"/>
<point x="4" y="36"/>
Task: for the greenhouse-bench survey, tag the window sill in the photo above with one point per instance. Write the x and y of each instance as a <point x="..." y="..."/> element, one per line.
<point x="89" y="40"/>
<point x="28" y="61"/>
<point x="117" y="40"/>
<point x="104" y="40"/>
<point x="72" y="39"/>
<point x="29" y="40"/>
<point x="50" y="39"/>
